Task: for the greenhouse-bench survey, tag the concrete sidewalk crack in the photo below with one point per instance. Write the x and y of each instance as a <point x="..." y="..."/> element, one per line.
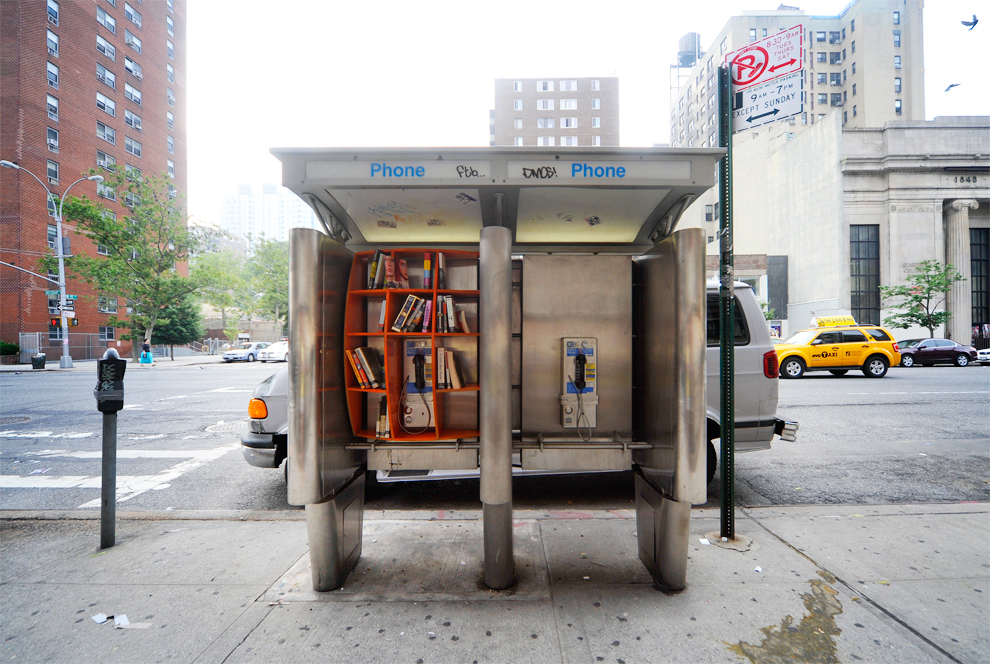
<point x="855" y="591"/>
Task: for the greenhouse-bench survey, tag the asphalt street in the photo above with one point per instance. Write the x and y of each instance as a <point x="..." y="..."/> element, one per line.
<point x="920" y="435"/>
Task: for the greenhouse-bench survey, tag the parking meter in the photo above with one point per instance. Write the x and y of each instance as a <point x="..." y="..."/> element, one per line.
<point x="109" y="390"/>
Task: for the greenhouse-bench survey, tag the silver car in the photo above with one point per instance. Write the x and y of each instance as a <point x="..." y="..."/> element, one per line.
<point x="756" y="382"/>
<point x="246" y="352"/>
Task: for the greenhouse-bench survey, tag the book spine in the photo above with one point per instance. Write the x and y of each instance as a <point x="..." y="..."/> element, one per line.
<point x="363" y="361"/>
<point x="350" y="360"/>
<point x="381" y="318"/>
<point x="400" y="320"/>
<point x="427" y="271"/>
<point x="402" y="270"/>
<point x="376" y="259"/>
<point x="442" y="369"/>
<point x="390" y="272"/>
<point x="426" y="315"/>
<point x="380" y="272"/>
<point x="451" y="320"/>
<point x="416" y="316"/>
<point x="454" y="369"/>
<point x="370" y="356"/>
<point x="462" y="319"/>
<point x="441" y="271"/>
<point x="358" y="370"/>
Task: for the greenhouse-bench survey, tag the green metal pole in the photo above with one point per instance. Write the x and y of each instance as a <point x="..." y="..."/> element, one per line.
<point x="726" y="308"/>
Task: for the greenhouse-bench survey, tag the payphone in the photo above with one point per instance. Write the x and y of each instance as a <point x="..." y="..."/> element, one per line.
<point x="579" y="394"/>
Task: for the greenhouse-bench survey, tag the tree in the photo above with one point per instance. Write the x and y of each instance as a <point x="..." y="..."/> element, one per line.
<point x="921" y="297"/>
<point x="768" y="313"/>
<point x="269" y="270"/>
<point x="221" y="278"/>
<point x="178" y="324"/>
<point x="140" y="250"/>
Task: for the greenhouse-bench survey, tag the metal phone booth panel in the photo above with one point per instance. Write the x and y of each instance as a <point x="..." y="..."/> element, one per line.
<point x="574" y="309"/>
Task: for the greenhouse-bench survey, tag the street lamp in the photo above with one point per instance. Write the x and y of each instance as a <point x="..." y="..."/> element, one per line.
<point x="66" y="361"/>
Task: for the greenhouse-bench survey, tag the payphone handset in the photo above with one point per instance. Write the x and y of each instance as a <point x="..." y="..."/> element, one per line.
<point x="416" y="401"/>
<point x="579" y="383"/>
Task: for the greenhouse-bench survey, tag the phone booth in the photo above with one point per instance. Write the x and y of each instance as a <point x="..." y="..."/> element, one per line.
<point x="463" y="307"/>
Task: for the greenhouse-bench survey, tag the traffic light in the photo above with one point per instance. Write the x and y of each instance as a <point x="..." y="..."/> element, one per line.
<point x="56" y="322"/>
<point x="73" y="322"/>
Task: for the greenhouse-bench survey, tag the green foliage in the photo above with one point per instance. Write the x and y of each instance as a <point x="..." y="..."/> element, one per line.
<point x="179" y="324"/>
<point x="768" y="313"/>
<point x="7" y="348"/>
<point x="269" y="275"/>
<point x="921" y="297"/>
<point x="142" y="248"/>
<point x="221" y="278"/>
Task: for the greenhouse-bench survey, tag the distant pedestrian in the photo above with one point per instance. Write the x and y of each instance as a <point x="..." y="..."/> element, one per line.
<point x="146" y="356"/>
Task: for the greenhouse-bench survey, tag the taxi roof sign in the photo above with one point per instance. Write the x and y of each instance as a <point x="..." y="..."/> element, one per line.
<point x="831" y="321"/>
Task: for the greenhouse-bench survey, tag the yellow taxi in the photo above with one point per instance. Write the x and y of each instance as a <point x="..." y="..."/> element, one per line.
<point x="837" y="344"/>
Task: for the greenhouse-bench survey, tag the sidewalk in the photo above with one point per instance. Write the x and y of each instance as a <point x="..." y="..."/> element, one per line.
<point x="90" y="365"/>
<point x="833" y="584"/>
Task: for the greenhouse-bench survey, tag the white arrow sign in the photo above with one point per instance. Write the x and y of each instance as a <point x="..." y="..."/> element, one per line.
<point x="760" y="105"/>
<point x="767" y="59"/>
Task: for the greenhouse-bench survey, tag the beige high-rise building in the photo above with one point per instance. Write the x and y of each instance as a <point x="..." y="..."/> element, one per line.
<point x="555" y="112"/>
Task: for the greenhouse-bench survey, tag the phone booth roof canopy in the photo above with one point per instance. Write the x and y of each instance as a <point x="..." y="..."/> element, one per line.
<point x="586" y="199"/>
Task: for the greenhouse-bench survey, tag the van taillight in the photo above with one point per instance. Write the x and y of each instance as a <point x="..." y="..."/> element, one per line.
<point x="771" y="368"/>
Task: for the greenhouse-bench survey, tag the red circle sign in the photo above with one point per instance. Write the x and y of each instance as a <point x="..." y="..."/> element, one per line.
<point x="748" y="65"/>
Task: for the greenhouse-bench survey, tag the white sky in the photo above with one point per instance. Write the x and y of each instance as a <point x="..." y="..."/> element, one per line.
<point x="312" y="73"/>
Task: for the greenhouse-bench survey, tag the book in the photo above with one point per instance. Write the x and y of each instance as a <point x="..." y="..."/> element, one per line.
<point x="373" y="267"/>
<point x="416" y="316"/>
<point x="390" y="272"/>
<point x="369" y="358"/>
<point x="381" y="318"/>
<point x="426" y="315"/>
<point x="442" y="369"/>
<point x="441" y="271"/>
<point x="358" y="371"/>
<point x="441" y="316"/>
<point x="462" y="319"/>
<point x="451" y="316"/>
<point x="401" y="273"/>
<point x="407" y="306"/>
<point x="427" y="272"/>
<point x="453" y="367"/>
<point x="380" y="273"/>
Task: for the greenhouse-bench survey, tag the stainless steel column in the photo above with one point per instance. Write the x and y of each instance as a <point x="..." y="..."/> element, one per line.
<point x="494" y="350"/>
<point x="957" y="252"/>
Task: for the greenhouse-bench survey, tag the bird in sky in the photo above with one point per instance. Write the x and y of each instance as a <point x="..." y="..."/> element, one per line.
<point x="951" y="85"/>
<point x="971" y="24"/>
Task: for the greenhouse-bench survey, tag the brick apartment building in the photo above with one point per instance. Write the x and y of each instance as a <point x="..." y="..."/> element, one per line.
<point x="84" y="84"/>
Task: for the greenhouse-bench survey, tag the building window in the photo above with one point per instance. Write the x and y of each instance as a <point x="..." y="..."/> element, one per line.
<point x="835" y="78"/>
<point x="836" y="99"/>
<point x="132" y="173"/>
<point x="105" y="161"/>
<point x="897" y="62"/>
<point x="596" y="122"/>
<point x="568" y="104"/>
<point x="568" y="86"/>
<point x="864" y="270"/>
<point x="131" y="200"/>
<point x="106" y="133"/>
<point x="897" y="106"/>
<point x="517" y="86"/>
<point x="821" y="56"/>
<point x="833" y="37"/>
<point x="596" y="84"/>
<point x="168" y="3"/>
<point x="854" y="46"/>
<point x="544" y="104"/>
<point x="52" y="44"/>
<point x="131" y="40"/>
<point x="170" y="96"/>
<point x="822" y="78"/>
<point x="821" y="116"/>
<point x="544" y="140"/>
<point x="53" y="108"/>
<point x="820" y="36"/>
<point x="709" y="213"/>
<point x="169" y="25"/>
<point x="132" y="147"/>
<point x="834" y="58"/>
<point x="854" y="111"/>
<point x="752" y="34"/>
<point x="897" y="37"/>
<point x="106" y="20"/>
<point x="843" y="76"/>
<point x="979" y="256"/>
<point x="897" y="84"/>
<point x="132" y="93"/>
<point x="822" y="98"/>
<point x="106" y="105"/>
<point x="854" y="68"/>
<point x="54" y="332"/>
<point x="171" y="167"/>
<point x="170" y="73"/>
<point x="517" y="105"/>
<point x="53" y="309"/>
<point x="843" y="33"/>
<point x="102" y="250"/>
<point x="105" y="191"/>
<point x="845" y="97"/>
<point x="517" y="123"/>
<point x="518" y="141"/>
<point x="569" y="140"/>
<point x="106" y="48"/>
<point x="52" y="76"/>
<point x="897" y="18"/>
<point x="568" y="123"/>
<point x="544" y="123"/>
<point x="854" y="91"/>
<point x="106" y="333"/>
<point x="52" y="171"/>
<point x="544" y="86"/>
<point x="845" y="117"/>
<point x="170" y="144"/>
<point x="106" y="76"/>
<point x="53" y="12"/>
<point x="852" y="25"/>
<point x="52" y="139"/>
<point x="170" y="119"/>
<point x="107" y="305"/>
<point x="723" y="45"/>
<point x="132" y="15"/>
<point x="132" y="120"/>
<point x="169" y="49"/>
<point x="596" y="141"/>
<point x="133" y="68"/>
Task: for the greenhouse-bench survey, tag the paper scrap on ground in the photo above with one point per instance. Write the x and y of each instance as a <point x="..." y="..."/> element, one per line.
<point x="121" y="620"/>
<point x="100" y="618"/>
<point x="704" y="540"/>
<point x="759" y="569"/>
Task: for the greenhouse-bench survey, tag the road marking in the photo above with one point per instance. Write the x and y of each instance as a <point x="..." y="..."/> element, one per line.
<point x="973" y="392"/>
<point x="43" y="434"/>
<point x="154" y="436"/>
<point x="128" y="486"/>
<point x="230" y="390"/>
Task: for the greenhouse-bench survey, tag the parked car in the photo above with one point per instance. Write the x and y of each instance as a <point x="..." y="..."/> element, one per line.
<point x="277" y="352"/>
<point x="246" y="352"/>
<point x="927" y="352"/>
<point x="756" y="373"/>
<point x="837" y="345"/>
<point x="983" y="356"/>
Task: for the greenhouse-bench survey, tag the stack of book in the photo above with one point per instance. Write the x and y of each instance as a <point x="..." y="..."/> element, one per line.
<point x="367" y="367"/>
<point x="449" y="318"/>
<point x="382" y="427"/>
<point x="449" y="375"/>
<point x="414" y="313"/>
<point x="387" y="272"/>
